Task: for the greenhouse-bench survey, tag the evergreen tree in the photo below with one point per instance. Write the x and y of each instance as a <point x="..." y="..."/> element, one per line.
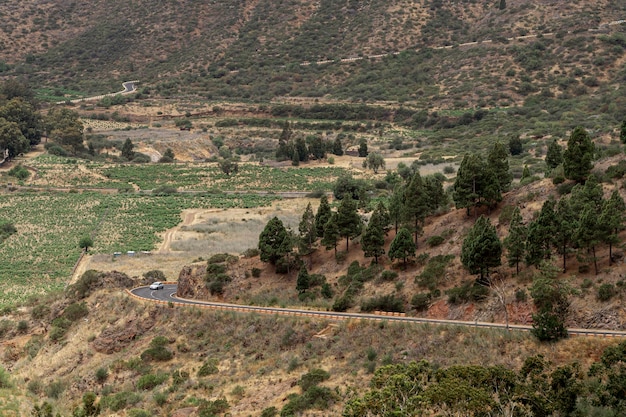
<point x="295" y="158"/>
<point x="541" y="235"/>
<point x="322" y="216"/>
<point x="481" y="249"/>
<point x="515" y="146"/>
<point x="498" y="162"/>
<point x="566" y="224"/>
<point x="65" y="128"/>
<point x="331" y="233"/>
<point x="363" y="148"/>
<point x="589" y="233"/>
<point x="274" y="242"/>
<point x="475" y="184"/>
<point x="402" y="246"/>
<point x="578" y="157"/>
<point x="373" y="240"/>
<point x="317" y="147"/>
<point x="302" y="150"/>
<point x="303" y="282"/>
<point x="622" y="132"/>
<point x="396" y="203"/>
<point x="515" y="242"/>
<point x="436" y="197"/>
<point x="415" y="205"/>
<point x="12" y="139"/>
<point x="308" y="233"/>
<point x="612" y="221"/>
<point x="588" y="195"/>
<point x="337" y="146"/>
<point x="348" y="220"/>
<point x="383" y="216"/>
<point x="554" y="156"/>
<point x="550" y="297"/>
<point x="127" y="150"/>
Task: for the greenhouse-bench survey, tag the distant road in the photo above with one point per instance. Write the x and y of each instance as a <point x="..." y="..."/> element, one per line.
<point x="129" y="87"/>
<point x="168" y="295"/>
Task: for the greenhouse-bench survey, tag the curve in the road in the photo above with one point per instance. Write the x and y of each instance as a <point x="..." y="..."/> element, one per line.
<point x="168" y="296"/>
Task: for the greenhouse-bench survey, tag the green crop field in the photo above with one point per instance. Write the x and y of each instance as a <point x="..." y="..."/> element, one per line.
<point x="40" y="256"/>
<point x="69" y="172"/>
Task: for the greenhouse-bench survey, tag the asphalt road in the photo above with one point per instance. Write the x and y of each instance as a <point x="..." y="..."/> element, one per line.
<point x="168" y="294"/>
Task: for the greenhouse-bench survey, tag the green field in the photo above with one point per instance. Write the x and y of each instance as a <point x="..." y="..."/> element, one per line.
<point x="40" y="256"/>
<point x="69" y="172"/>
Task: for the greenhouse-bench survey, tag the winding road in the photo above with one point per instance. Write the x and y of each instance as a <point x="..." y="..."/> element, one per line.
<point x="168" y="296"/>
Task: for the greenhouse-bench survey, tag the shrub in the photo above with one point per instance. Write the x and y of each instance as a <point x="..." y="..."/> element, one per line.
<point x="384" y="303"/>
<point x="40" y="312"/>
<point x="521" y="296"/>
<point x="19" y="172"/>
<point x="421" y="301"/>
<point x="434" y="271"/>
<point x="101" y="375"/>
<point x="251" y="252"/>
<point x="5" y="381"/>
<point x="149" y="381"/>
<point x="22" y="326"/>
<point x="435" y="241"/>
<point x="154" y="275"/>
<point x="468" y="291"/>
<point x="120" y="400"/>
<point x="157" y="350"/>
<point x="606" y="292"/>
<point x="137" y="412"/>
<point x="75" y="311"/>
<point x="269" y="412"/>
<point x="388" y="275"/>
<point x="55" y="389"/>
<point x="209" y="367"/>
<point x="313" y="378"/>
<point x="256" y="272"/>
<point x="160" y="398"/>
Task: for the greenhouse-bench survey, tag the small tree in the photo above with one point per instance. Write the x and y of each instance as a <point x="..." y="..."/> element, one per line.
<point x="228" y="166"/>
<point x="578" y="157"/>
<point x="481" y="249"/>
<point x="363" y="148"/>
<point x="373" y="240"/>
<point x="85" y="243"/>
<point x="554" y="156"/>
<point x="515" y="241"/>
<point x="322" y="216"/>
<point x="331" y="233"/>
<point x="612" y="220"/>
<point x="374" y="161"/>
<point x="337" y="146"/>
<point x="127" y="150"/>
<point x="348" y="220"/>
<point x="307" y="231"/>
<point x="515" y="146"/>
<point x="402" y="246"/>
<point x="303" y="281"/>
<point x="274" y="241"/>
<point x="550" y="297"/>
<point x="168" y="156"/>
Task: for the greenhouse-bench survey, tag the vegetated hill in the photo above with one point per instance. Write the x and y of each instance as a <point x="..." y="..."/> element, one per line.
<point x="254" y="49"/>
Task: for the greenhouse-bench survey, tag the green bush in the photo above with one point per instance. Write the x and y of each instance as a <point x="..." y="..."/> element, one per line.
<point x="384" y="303"/>
<point x="209" y="367"/>
<point x="606" y="292"/>
<point x="388" y="275"/>
<point x="150" y="381"/>
<point x="137" y="412"/>
<point x="19" y="172"/>
<point x="256" y="272"/>
<point x="434" y="271"/>
<point x="313" y="378"/>
<point x="521" y="296"/>
<point x="120" y="400"/>
<point x="468" y="291"/>
<point x="212" y="408"/>
<point x="5" y="380"/>
<point x="40" y="311"/>
<point x="421" y="301"/>
<point x="75" y="311"/>
<point x="55" y="389"/>
<point x="101" y="375"/>
<point x="435" y="241"/>
<point x="157" y="350"/>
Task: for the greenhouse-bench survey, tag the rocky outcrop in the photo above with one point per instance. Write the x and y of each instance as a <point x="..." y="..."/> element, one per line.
<point x="116" y="338"/>
<point x="191" y="283"/>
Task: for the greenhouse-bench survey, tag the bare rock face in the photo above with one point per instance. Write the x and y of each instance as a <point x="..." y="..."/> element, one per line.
<point x="116" y="338"/>
<point x="191" y="282"/>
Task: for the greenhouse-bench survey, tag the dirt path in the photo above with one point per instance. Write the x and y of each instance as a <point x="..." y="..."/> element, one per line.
<point x="189" y="216"/>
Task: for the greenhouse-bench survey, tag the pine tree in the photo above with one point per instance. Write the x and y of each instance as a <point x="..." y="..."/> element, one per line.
<point x="481" y="249"/>
<point x="475" y="184"/>
<point x="396" y="202"/>
<point x="348" y="220"/>
<point x="498" y="162"/>
<point x="436" y="197"/>
<point x="302" y="150"/>
<point x="307" y="231"/>
<point x="578" y="157"/>
<point x="589" y="234"/>
<point x="550" y="297"/>
<point x="373" y="239"/>
<point x="274" y="241"/>
<point x="303" y="282"/>
<point x="363" y="148"/>
<point x="541" y="235"/>
<point x="612" y="221"/>
<point x="337" y="147"/>
<point x="127" y="150"/>
<point x="415" y="205"/>
<point x="566" y="224"/>
<point x="402" y="246"/>
<point x="554" y="156"/>
<point x="331" y="233"/>
<point x="515" y="146"/>
<point x="322" y="216"/>
<point x="515" y="242"/>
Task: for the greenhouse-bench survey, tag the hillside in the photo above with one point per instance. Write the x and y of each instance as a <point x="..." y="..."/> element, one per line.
<point x="253" y="50"/>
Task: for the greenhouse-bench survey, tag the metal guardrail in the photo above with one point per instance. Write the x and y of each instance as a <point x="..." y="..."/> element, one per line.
<point x="377" y="316"/>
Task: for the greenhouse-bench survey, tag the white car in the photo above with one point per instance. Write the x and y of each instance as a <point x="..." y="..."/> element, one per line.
<point x="156" y="286"/>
